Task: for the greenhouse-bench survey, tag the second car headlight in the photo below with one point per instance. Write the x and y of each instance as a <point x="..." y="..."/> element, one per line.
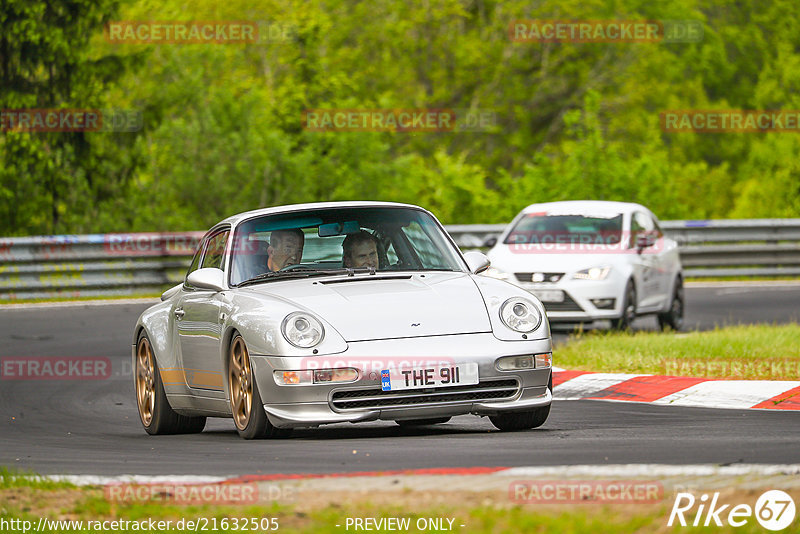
<point x="302" y="330"/>
<point x="520" y="315"/>
<point x="595" y="273"/>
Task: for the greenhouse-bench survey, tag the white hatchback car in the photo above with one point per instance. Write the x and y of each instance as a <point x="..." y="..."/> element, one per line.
<point x="592" y="260"/>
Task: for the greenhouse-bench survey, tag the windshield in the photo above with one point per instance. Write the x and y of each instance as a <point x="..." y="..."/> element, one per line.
<point x="365" y="239"/>
<point x="567" y="228"/>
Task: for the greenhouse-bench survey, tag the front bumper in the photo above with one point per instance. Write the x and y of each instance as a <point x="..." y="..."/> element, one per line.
<point x="578" y="305"/>
<point x="363" y="400"/>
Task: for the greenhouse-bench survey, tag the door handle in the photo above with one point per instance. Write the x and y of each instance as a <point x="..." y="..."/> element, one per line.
<point x="179" y="313"/>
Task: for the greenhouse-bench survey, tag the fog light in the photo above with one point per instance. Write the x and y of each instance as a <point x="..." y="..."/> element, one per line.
<point x="543" y="360"/>
<point x="335" y="375"/>
<point x="515" y="363"/>
<point x="603" y="304"/>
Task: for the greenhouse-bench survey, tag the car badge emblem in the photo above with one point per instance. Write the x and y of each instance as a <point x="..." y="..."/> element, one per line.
<point x="386" y="383"/>
<point x="537" y="277"/>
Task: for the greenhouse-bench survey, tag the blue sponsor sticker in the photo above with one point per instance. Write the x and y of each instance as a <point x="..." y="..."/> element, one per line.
<point x="386" y="383"/>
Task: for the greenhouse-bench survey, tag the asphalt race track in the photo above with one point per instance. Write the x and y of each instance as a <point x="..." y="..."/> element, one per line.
<point x="92" y="426"/>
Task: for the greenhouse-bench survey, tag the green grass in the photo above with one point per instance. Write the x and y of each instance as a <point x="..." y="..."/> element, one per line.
<point x="22" y="479"/>
<point x="742" y="278"/>
<point x="574" y="519"/>
<point x="769" y="352"/>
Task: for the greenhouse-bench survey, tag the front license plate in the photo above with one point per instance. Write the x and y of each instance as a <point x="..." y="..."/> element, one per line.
<point x="549" y="295"/>
<point x="462" y="374"/>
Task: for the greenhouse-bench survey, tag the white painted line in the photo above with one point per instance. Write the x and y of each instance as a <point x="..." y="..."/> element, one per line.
<point x="727" y="393"/>
<point x="73" y="303"/>
<point x="653" y="470"/>
<point x="565" y="471"/>
<point x="97" y="480"/>
<point x="588" y="385"/>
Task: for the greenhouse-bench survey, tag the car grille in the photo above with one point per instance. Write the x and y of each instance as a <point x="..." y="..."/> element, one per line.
<point x="567" y="305"/>
<point x="548" y="277"/>
<point x="377" y="398"/>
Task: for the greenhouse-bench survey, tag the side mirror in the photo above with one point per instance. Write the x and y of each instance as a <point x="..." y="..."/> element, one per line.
<point x="645" y="240"/>
<point x="169" y="292"/>
<point x="208" y="278"/>
<point x="490" y="241"/>
<point x="476" y="261"/>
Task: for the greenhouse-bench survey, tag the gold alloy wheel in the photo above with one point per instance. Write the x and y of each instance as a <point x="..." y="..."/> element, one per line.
<point x="145" y="381"/>
<point x="240" y="383"/>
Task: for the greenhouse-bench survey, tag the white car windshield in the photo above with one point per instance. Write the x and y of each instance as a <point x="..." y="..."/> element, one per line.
<point x="566" y="228"/>
<point x="331" y="239"/>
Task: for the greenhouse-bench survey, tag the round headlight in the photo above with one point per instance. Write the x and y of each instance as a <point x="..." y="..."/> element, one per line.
<point x="520" y="315"/>
<point x="302" y="330"/>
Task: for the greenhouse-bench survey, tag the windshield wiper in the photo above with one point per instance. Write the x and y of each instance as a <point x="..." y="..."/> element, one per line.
<point x="302" y="272"/>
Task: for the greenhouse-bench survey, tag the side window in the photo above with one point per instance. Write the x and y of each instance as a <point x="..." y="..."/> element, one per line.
<point x="426" y="250"/>
<point x="640" y="224"/>
<point x="195" y="260"/>
<point x="215" y="250"/>
<point x="636" y="229"/>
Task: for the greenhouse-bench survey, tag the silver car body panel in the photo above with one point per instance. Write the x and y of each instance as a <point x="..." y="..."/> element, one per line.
<point x="373" y="320"/>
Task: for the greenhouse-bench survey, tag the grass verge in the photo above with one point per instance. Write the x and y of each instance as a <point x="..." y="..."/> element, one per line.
<point x="763" y="352"/>
<point x="464" y="511"/>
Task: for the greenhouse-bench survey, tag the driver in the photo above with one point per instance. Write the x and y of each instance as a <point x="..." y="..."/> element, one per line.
<point x="285" y="248"/>
<point x="360" y="250"/>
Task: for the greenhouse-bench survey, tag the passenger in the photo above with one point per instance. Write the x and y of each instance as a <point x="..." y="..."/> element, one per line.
<point x="360" y="250"/>
<point x="285" y="248"/>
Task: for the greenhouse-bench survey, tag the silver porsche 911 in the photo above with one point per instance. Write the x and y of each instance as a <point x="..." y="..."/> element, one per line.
<point x="302" y="315"/>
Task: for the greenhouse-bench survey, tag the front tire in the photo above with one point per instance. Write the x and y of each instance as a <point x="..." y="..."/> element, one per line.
<point x="512" y="422"/>
<point x="246" y="407"/>
<point x="628" y="309"/>
<point x="155" y="413"/>
<point x="673" y="319"/>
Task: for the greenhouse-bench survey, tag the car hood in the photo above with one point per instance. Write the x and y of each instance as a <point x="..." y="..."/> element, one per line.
<point x="521" y="262"/>
<point x="389" y="305"/>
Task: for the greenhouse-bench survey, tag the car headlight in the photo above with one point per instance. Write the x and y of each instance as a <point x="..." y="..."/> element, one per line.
<point x="302" y="330"/>
<point x="595" y="273"/>
<point x="493" y="272"/>
<point x="520" y="315"/>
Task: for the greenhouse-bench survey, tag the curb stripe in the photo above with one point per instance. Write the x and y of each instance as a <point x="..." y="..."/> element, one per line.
<point x="789" y="400"/>
<point x="677" y="390"/>
<point x="646" y="388"/>
<point x="561" y="376"/>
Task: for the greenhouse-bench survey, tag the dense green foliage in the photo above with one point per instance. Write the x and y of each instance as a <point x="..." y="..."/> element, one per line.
<point x="222" y="122"/>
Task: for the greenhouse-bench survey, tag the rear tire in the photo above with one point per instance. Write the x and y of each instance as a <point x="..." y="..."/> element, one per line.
<point x="155" y="413"/>
<point x="673" y="319"/>
<point x="513" y="422"/>
<point x="423" y="422"/>
<point x="246" y="407"/>
<point x="628" y="309"/>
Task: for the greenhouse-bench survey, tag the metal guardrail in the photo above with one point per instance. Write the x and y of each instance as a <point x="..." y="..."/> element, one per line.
<point x="125" y="264"/>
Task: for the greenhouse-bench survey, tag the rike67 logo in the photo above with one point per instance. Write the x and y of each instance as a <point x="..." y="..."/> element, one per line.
<point x="774" y="510"/>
